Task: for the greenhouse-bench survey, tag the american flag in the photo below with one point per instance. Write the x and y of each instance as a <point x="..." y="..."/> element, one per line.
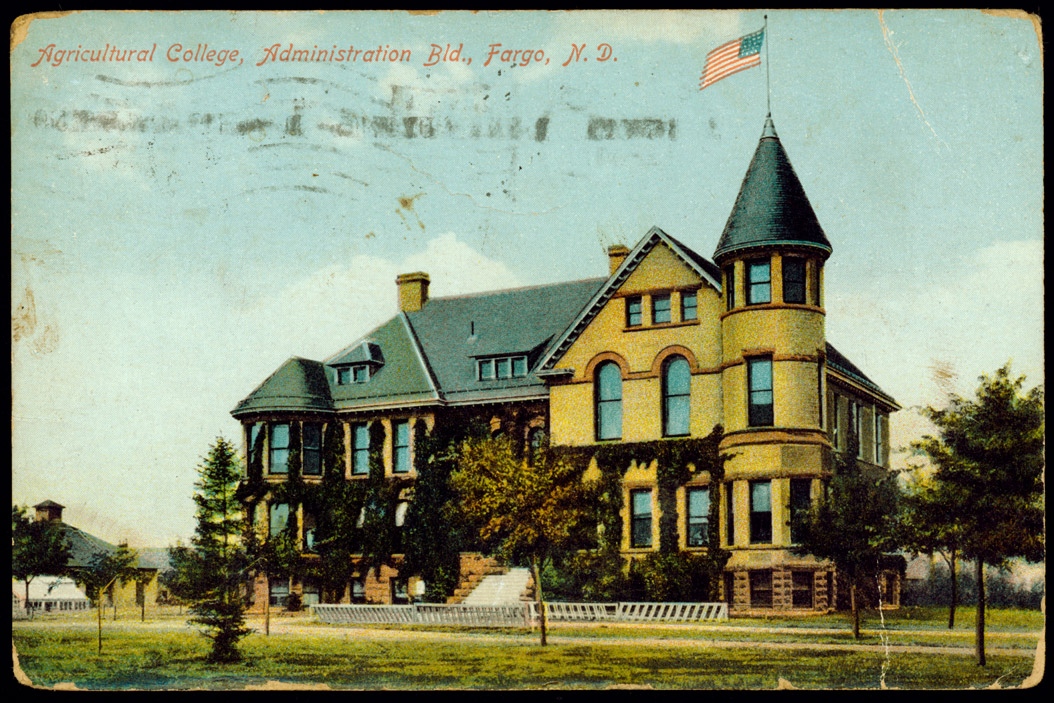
<point x="733" y="57"/>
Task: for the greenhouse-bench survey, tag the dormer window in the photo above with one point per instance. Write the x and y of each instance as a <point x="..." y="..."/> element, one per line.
<point x="501" y="367"/>
<point x="358" y="373"/>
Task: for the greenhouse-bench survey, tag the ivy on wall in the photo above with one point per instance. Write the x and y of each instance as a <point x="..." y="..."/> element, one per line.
<point x="434" y="535"/>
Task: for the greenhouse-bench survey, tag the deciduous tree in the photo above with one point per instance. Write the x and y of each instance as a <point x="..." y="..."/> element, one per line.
<point x="989" y="451"/>
<point x="528" y="507"/>
<point x="930" y="525"/>
<point x="38" y="548"/>
<point x="853" y="524"/>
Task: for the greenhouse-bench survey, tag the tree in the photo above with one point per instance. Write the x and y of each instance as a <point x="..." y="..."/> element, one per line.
<point x="527" y="508"/>
<point x="853" y="524"/>
<point x="989" y="451"/>
<point x="38" y="548"/>
<point x="103" y="571"/>
<point x="930" y="524"/>
<point x="214" y="569"/>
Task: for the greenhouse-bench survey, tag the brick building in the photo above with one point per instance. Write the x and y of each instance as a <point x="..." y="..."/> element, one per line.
<point x="667" y="346"/>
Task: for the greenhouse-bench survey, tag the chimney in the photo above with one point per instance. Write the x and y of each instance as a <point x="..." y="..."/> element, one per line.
<point x="413" y="291"/>
<point x="617" y="253"/>
<point x="49" y="510"/>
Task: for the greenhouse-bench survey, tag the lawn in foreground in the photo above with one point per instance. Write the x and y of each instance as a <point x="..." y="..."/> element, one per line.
<point x="173" y="659"/>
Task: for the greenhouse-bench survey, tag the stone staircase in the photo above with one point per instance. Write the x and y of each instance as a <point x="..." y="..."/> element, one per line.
<point x="501" y="589"/>
<point x="474" y="568"/>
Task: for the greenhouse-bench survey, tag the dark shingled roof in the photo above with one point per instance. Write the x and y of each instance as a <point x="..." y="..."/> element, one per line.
<point x="84" y="546"/>
<point x="298" y="384"/>
<point x="430" y="354"/>
<point x="771" y="207"/>
<point x="837" y="361"/>
<point x="455" y="331"/>
<point x="400" y="379"/>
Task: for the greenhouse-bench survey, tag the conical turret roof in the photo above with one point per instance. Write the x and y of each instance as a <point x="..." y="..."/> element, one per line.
<point x="771" y="208"/>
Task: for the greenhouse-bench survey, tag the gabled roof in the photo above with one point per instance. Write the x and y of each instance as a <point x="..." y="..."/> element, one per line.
<point x="839" y="363"/>
<point x="708" y="271"/>
<point x="771" y="207"/>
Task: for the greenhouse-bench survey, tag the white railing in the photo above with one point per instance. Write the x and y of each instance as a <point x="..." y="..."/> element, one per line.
<point x="519" y="615"/>
<point x="635" y="612"/>
<point x="424" y="613"/>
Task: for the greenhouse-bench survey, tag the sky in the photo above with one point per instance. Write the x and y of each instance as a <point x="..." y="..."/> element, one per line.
<point x="181" y="226"/>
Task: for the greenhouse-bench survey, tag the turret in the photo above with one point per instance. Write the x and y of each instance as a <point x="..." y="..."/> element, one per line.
<point x="771" y="254"/>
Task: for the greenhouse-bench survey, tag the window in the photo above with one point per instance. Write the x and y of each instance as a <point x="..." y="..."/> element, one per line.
<point x="360" y="450"/>
<point x="358" y="590"/>
<point x="310" y="525"/>
<point x="279" y="588"/>
<point x="311" y="592"/>
<point x="279" y="518"/>
<point x="698" y="513"/>
<point x="730" y="587"/>
<point x="836" y="421"/>
<point x="256" y="436"/>
<point x="800" y="501"/>
<point x="801" y="589"/>
<point x="357" y="373"/>
<point x="760" y="512"/>
<point x="634" y="316"/>
<point x="759" y="372"/>
<point x="502" y="367"/>
<point x="814" y="281"/>
<point x="279" y="449"/>
<point x="401" y="448"/>
<point x="730" y="287"/>
<point x="730" y="514"/>
<point x="640" y="529"/>
<point x="689" y="306"/>
<point x="794" y="280"/>
<point x="608" y="393"/>
<point x="759" y="282"/>
<point x="760" y="589"/>
<point x="676" y="396"/>
<point x="312" y="456"/>
<point x="400" y="591"/>
<point x="879" y="443"/>
<point x="819" y="394"/>
<point x="660" y="309"/>
<point x="854" y="423"/>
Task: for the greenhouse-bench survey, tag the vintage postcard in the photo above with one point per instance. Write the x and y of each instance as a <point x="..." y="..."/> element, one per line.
<point x="527" y="349"/>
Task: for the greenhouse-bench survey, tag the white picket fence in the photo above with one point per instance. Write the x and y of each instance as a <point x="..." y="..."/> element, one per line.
<point x="424" y="613"/>
<point x="634" y="612"/>
<point x="519" y="615"/>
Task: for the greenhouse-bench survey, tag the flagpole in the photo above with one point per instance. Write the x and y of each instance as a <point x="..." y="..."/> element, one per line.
<point x="768" y="86"/>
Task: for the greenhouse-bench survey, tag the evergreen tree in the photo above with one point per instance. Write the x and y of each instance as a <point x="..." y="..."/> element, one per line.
<point x="215" y="568"/>
<point x="38" y="548"/>
<point x="988" y="452"/>
<point x="853" y="524"/>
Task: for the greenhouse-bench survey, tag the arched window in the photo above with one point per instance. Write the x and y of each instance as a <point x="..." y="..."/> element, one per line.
<point x="607" y="392"/>
<point x="676" y="396"/>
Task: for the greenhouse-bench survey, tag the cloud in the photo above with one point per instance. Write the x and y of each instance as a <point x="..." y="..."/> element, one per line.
<point x="922" y="341"/>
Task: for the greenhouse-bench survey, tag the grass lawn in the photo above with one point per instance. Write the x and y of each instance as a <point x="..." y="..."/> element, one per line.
<point x="158" y="655"/>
